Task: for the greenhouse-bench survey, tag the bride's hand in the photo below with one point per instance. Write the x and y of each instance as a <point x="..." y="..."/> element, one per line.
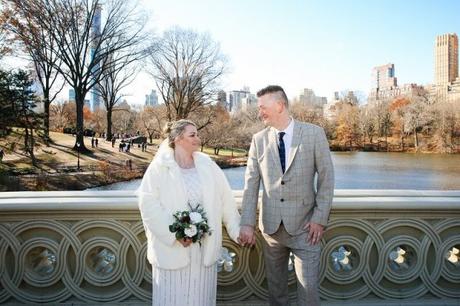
<point x="185" y="242"/>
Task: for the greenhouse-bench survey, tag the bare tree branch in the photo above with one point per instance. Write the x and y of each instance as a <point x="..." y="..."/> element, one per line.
<point x="186" y="67"/>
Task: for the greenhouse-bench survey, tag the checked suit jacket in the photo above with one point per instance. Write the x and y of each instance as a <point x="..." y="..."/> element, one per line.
<point x="294" y="197"/>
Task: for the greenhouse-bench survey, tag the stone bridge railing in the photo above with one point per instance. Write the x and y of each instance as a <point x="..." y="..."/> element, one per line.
<point x="85" y="248"/>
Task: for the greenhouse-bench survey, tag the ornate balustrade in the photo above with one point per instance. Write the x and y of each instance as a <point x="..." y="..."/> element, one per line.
<point x="84" y="248"/>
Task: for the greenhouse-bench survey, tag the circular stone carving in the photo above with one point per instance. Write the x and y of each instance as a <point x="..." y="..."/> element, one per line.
<point x="401" y="259"/>
<point x="41" y="261"/>
<point x="103" y="261"/>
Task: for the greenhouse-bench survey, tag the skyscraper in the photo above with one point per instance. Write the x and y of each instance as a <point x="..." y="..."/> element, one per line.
<point x="151" y="99"/>
<point x="95" y="102"/>
<point x="445" y="59"/>
<point x="384" y="82"/>
<point x="383" y="77"/>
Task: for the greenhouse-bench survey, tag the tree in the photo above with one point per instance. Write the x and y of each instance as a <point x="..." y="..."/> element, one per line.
<point x="97" y="120"/>
<point x="84" y="51"/>
<point x="38" y="43"/>
<point x="367" y="123"/>
<point x="383" y="120"/>
<point x="152" y="121"/>
<point x="348" y="125"/>
<point x="216" y="132"/>
<point x="419" y="114"/>
<point x="398" y="109"/>
<point x="446" y="123"/>
<point x="5" y="46"/>
<point x="124" y="119"/>
<point x="306" y="113"/>
<point x="118" y="76"/>
<point x="62" y="115"/>
<point x="186" y="67"/>
<point x="18" y="101"/>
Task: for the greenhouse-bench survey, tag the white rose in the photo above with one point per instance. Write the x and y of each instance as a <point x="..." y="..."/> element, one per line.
<point x="191" y="231"/>
<point x="195" y="217"/>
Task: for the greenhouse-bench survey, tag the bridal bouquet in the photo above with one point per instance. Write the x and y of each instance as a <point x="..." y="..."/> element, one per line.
<point x="191" y="224"/>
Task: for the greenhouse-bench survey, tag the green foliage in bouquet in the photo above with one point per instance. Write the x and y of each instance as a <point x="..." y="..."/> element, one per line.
<point x="192" y="224"/>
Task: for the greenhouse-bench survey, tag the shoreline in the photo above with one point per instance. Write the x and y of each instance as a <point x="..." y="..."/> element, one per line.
<point x="81" y="180"/>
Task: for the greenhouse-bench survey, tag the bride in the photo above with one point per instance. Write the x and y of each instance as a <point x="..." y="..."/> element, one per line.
<point x="183" y="272"/>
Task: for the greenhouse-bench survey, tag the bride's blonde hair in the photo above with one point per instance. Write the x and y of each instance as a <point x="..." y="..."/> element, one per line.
<point x="176" y="129"/>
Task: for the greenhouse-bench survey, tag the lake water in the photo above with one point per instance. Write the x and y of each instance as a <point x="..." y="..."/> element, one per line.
<point x="370" y="170"/>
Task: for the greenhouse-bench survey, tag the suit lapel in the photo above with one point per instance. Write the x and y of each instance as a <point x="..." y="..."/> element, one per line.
<point x="273" y="148"/>
<point x="297" y="135"/>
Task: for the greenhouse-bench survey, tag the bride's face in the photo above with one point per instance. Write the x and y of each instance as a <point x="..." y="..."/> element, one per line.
<point x="189" y="140"/>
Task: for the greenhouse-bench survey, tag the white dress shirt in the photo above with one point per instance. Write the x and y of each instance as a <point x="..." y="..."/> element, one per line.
<point x="289" y="132"/>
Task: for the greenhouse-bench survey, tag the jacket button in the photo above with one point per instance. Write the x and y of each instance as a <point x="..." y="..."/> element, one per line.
<point x="282" y="200"/>
<point x="282" y="182"/>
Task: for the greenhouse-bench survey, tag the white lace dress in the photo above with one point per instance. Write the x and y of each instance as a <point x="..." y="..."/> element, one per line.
<point x="194" y="285"/>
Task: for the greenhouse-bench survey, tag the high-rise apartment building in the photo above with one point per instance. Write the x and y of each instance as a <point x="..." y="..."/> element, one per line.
<point x="445" y="59"/>
<point x="151" y="99"/>
<point x="385" y="85"/>
<point x="95" y="99"/>
<point x="308" y="97"/>
<point x="235" y="99"/>
<point x="384" y="82"/>
<point x="383" y="77"/>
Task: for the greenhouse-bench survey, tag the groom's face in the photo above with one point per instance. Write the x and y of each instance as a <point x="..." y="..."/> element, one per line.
<point x="269" y="109"/>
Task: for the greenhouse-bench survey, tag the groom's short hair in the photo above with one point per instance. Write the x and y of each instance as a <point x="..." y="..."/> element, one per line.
<point x="274" y="89"/>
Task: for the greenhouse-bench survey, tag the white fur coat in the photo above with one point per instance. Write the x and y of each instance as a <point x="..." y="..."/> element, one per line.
<point x="162" y="193"/>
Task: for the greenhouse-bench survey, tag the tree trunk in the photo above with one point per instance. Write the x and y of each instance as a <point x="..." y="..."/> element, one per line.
<point x="79" y="139"/>
<point x="46" y="120"/>
<point x="29" y="143"/>
<point x="109" y="124"/>
<point x="31" y="148"/>
<point x="415" y="140"/>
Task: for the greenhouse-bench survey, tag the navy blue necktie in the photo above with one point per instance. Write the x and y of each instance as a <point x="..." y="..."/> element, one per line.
<point x="282" y="151"/>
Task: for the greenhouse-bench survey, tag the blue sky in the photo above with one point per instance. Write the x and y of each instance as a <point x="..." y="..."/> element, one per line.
<point x="323" y="45"/>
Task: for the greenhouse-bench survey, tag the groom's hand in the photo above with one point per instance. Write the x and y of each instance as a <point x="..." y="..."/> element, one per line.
<point x="315" y="232"/>
<point x="247" y="236"/>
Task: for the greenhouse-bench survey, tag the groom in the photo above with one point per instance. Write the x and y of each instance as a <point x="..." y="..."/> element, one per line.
<point x="285" y="157"/>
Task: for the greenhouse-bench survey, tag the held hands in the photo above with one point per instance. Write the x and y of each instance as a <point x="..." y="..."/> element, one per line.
<point x="186" y="242"/>
<point x="315" y="232"/>
<point x="247" y="236"/>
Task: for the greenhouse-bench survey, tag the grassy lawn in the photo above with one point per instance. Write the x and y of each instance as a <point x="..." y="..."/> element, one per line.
<point x="57" y="163"/>
<point x="60" y="153"/>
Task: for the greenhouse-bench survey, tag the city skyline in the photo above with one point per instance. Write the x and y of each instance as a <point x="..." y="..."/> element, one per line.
<point x="325" y="46"/>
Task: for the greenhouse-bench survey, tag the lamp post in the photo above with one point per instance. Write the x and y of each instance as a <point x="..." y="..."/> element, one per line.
<point x="78" y="156"/>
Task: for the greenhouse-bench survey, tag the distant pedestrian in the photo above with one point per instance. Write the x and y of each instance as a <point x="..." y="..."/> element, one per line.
<point x="92" y="142"/>
<point x="96" y="141"/>
<point x="2" y="153"/>
<point x="113" y="141"/>
<point x="121" y="146"/>
<point x="128" y="146"/>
